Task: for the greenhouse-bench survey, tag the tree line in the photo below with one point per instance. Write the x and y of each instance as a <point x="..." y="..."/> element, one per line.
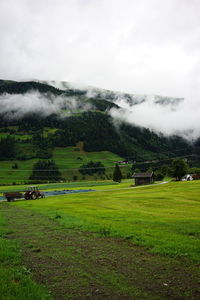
<point x="47" y="170"/>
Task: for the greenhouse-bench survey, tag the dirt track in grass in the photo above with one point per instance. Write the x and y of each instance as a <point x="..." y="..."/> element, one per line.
<point x="79" y="265"/>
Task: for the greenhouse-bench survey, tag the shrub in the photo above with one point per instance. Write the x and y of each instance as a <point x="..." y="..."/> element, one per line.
<point x="92" y="168"/>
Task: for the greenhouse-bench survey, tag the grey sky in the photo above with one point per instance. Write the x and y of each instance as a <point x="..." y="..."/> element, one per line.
<point x="139" y="46"/>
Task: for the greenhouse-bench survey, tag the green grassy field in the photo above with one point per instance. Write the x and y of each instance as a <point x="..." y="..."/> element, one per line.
<point x="68" y="160"/>
<point x="94" y="185"/>
<point x="15" y="279"/>
<point x="16" y="136"/>
<point x="117" y="242"/>
<point x="164" y="218"/>
<point x="20" y="135"/>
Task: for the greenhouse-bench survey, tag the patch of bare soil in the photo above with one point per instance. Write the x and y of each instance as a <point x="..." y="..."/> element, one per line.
<point x="79" y="265"/>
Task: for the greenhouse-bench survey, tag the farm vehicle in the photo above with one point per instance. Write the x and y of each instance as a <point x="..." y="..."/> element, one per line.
<point x="10" y="196"/>
<point x="32" y="192"/>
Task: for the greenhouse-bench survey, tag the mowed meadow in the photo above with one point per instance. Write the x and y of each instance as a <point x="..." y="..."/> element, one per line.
<point x="117" y="242"/>
<point x="163" y="218"/>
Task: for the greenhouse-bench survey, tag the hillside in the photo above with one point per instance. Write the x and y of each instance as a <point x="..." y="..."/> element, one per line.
<point x="69" y="160"/>
<point x="37" y="118"/>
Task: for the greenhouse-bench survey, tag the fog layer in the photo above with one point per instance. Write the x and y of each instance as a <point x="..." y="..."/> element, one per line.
<point x="16" y="106"/>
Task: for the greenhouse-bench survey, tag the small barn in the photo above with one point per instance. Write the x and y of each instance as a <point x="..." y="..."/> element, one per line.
<point x="195" y="176"/>
<point x="143" y="178"/>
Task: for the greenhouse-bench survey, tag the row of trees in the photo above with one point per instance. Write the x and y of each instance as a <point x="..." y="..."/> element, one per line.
<point x="47" y="170"/>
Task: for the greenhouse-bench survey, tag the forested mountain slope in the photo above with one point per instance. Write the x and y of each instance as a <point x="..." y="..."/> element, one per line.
<point x="87" y="120"/>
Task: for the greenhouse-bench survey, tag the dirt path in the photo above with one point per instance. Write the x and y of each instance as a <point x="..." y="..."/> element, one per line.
<point x="79" y="265"/>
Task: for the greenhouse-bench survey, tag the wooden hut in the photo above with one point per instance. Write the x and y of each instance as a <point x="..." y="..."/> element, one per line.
<point x="143" y="178"/>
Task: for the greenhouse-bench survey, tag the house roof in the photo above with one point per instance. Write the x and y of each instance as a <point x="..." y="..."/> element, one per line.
<point x="142" y="175"/>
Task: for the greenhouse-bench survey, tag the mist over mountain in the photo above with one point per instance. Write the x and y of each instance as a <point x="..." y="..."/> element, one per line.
<point x="162" y="114"/>
<point x="103" y="120"/>
<point x="159" y="113"/>
<point x="113" y="96"/>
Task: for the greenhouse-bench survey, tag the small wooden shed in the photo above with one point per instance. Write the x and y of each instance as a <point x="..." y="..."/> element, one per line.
<point x="143" y="178"/>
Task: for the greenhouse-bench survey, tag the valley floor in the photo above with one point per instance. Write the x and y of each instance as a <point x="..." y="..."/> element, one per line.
<point x="73" y="264"/>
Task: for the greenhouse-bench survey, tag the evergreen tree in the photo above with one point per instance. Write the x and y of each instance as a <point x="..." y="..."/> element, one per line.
<point x="117" y="175"/>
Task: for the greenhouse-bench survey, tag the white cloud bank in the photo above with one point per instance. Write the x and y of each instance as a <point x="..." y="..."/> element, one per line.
<point x="180" y="119"/>
<point x="18" y="105"/>
<point x="146" y="46"/>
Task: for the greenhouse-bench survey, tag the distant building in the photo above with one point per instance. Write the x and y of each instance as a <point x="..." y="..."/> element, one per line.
<point x="143" y="178"/>
<point x="195" y="176"/>
<point x="187" y="177"/>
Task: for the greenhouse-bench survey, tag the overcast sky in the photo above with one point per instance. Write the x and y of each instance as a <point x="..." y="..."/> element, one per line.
<point x="138" y="46"/>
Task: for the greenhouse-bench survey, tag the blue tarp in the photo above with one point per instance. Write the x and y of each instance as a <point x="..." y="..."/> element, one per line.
<point x="65" y="192"/>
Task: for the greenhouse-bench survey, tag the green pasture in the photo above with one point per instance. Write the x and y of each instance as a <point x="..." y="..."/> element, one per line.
<point x="20" y="135"/>
<point x="15" y="280"/>
<point x="16" y="136"/>
<point x="10" y="175"/>
<point x="68" y="160"/>
<point x="47" y="131"/>
<point x="71" y="157"/>
<point x="164" y="218"/>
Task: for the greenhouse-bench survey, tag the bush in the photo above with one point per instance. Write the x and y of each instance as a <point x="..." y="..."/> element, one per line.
<point x="159" y="176"/>
<point x="46" y="170"/>
<point x="92" y="168"/>
<point x="15" y="166"/>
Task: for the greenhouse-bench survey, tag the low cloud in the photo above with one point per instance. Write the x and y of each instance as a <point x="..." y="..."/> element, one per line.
<point x="161" y="114"/>
<point x="168" y="117"/>
<point x="16" y="106"/>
